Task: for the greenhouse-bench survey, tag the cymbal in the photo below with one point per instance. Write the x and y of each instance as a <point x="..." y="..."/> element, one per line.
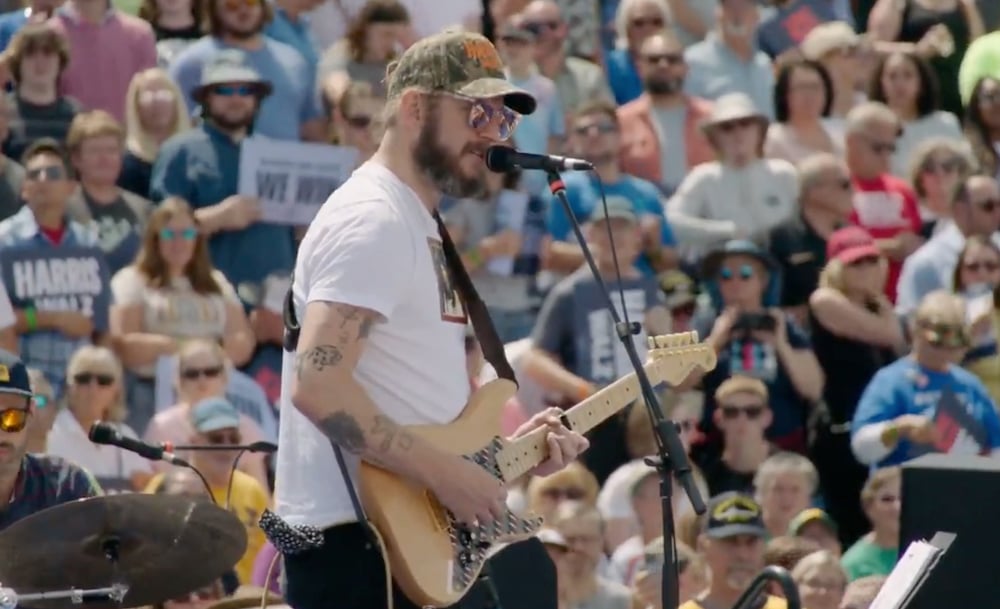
<point x="167" y="546"/>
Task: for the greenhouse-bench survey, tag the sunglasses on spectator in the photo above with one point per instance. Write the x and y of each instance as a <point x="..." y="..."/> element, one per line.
<point x="671" y="59"/>
<point x="745" y="272"/>
<point x="160" y="95"/>
<point x="41" y="401"/>
<point x="730" y="126"/>
<point x="882" y="147"/>
<point x="192" y="374"/>
<point x="981" y="265"/>
<point x="990" y="97"/>
<point x="50" y="173"/>
<point x="86" y="378"/>
<point x="481" y="115"/>
<point x="538" y="27"/>
<point x="13" y="420"/>
<point x="224" y="438"/>
<point x="945" y="336"/>
<point x="231" y="90"/>
<point x="887" y="498"/>
<point x="187" y="234"/>
<point x="570" y="493"/>
<point x="731" y="413"/>
<point x="946" y="166"/>
<point x="359" y="122"/>
<point x="647" y="22"/>
<point x="686" y="309"/>
<point x="595" y="128"/>
<point x="989" y="205"/>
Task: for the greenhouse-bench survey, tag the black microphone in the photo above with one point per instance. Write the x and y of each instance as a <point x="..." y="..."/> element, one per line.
<point x="106" y="433"/>
<point x="253" y="447"/>
<point x="502" y="159"/>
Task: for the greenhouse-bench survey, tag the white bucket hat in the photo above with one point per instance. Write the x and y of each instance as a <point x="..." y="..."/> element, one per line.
<point x="733" y="107"/>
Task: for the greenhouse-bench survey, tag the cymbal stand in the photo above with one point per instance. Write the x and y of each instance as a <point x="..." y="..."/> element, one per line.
<point x="9" y="599"/>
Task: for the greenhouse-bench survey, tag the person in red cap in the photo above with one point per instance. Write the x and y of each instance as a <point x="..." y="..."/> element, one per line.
<point x="855" y="333"/>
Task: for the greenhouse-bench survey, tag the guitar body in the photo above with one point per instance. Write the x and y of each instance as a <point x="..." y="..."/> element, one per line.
<point x="433" y="559"/>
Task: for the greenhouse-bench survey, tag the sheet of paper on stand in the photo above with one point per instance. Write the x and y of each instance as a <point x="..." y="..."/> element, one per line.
<point x="911" y="571"/>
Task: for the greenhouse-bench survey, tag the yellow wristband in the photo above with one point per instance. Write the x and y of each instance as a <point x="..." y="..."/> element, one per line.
<point x="890" y="435"/>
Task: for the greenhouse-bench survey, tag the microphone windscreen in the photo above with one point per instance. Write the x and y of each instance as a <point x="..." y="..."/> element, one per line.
<point x="102" y="433"/>
<point x="499" y="158"/>
<point x="263" y="447"/>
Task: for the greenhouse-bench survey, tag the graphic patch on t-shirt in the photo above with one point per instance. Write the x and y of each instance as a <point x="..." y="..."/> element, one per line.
<point x="451" y="303"/>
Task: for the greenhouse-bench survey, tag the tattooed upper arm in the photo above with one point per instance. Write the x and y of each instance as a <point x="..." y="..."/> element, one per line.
<point x="332" y="336"/>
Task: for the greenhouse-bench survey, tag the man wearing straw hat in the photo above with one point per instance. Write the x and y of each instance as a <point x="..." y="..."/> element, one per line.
<point x="741" y="195"/>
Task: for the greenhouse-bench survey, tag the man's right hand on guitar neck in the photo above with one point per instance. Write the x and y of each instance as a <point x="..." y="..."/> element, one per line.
<point x="467" y="490"/>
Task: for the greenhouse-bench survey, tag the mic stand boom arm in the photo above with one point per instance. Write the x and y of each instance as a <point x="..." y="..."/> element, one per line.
<point x="774" y="573"/>
<point x="671" y="459"/>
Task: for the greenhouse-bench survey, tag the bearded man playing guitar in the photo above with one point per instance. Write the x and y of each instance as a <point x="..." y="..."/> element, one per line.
<point x="380" y="347"/>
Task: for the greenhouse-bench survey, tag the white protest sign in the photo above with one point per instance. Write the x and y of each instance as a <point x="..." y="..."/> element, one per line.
<point x="292" y="179"/>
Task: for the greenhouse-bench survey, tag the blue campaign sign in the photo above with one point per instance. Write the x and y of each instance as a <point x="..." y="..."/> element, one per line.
<point x="600" y="356"/>
<point x="64" y="278"/>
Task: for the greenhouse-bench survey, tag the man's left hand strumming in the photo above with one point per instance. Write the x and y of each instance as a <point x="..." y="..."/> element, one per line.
<point x="564" y="445"/>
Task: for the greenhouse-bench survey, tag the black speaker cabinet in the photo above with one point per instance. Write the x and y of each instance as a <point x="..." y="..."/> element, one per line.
<point x="956" y="495"/>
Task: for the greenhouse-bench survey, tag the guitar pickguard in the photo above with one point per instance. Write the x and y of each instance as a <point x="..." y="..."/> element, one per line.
<point x="471" y="545"/>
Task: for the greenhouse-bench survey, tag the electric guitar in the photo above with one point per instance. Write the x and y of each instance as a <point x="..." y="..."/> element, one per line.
<point x="436" y="559"/>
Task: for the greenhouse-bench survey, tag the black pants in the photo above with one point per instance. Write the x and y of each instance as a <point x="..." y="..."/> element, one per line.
<point x="841" y="478"/>
<point x="348" y="572"/>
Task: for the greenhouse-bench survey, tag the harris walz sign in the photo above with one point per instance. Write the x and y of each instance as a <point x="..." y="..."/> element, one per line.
<point x="66" y="278"/>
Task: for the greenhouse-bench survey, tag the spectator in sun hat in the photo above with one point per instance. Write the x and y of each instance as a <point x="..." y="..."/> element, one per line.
<point x="813" y="523"/>
<point x="32" y="481"/>
<point x="754" y="338"/>
<point x="201" y="166"/>
<point x="741" y="195"/>
<point x="839" y="49"/>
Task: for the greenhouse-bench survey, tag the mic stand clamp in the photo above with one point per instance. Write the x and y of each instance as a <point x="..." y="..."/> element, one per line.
<point x="671" y="458"/>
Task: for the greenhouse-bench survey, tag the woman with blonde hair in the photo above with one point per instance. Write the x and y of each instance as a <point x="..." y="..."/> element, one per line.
<point x="154" y="112"/>
<point x="572" y="483"/>
<point x="821" y="580"/>
<point x="203" y="372"/>
<point x="977" y="279"/>
<point x="171" y="294"/>
<point x="96" y="394"/>
<point x="855" y="333"/>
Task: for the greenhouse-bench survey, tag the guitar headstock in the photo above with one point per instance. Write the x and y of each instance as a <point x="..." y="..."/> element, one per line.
<point x="672" y="357"/>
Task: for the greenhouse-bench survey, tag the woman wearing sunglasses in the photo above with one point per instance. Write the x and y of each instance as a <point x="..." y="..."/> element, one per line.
<point x="44" y="412"/>
<point x="925" y="403"/>
<point x="203" y="372"/>
<point x="172" y="293"/>
<point x="976" y="278"/>
<point x="95" y="394"/>
<point x="855" y="332"/>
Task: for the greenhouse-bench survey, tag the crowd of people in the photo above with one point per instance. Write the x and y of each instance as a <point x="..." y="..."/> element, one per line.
<point x="812" y="185"/>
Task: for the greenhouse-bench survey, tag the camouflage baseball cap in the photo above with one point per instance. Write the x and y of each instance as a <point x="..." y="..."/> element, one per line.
<point x="458" y="62"/>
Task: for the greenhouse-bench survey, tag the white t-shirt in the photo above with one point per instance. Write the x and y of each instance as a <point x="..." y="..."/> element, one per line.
<point x="7" y="317"/>
<point x="373" y="245"/>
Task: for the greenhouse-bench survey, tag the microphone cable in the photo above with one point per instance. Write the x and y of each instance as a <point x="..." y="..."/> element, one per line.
<point x="168" y="446"/>
<point x="253" y="447"/>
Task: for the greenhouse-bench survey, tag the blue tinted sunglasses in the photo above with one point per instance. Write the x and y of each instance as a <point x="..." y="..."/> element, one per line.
<point x="41" y="401"/>
<point x="745" y="272"/>
<point x="230" y="90"/>
<point x="188" y="234"/>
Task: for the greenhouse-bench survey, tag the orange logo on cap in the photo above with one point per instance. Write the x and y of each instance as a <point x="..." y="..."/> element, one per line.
<point x="483" y="53"/>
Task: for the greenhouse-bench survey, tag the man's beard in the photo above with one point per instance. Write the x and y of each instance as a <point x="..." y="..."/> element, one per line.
<point x="658" y="85"/>
<point x="228" y="124"/>
<point x="442" y="167"/>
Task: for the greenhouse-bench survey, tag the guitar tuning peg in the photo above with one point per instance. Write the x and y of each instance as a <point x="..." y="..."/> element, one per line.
<point x="661" y="341"/>
<point x="651" y="342"/>
<point x="694" y="337"/>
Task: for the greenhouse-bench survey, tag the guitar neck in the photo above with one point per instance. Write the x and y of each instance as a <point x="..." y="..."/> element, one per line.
<point x="522" y="455"/>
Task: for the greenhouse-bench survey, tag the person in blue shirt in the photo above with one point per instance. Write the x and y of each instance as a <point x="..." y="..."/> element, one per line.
<point x="925" y="403"/>
<point x="595" y="135"/>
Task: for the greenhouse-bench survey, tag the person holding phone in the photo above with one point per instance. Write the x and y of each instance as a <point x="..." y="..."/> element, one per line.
<point x="754" y="338"/>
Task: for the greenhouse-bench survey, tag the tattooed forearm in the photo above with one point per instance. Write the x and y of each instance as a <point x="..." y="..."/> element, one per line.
<point x="318" y="358"/>
<point x="344" y="431"/>
<point x="388" y="434"/>
<point x="351" y="317"/>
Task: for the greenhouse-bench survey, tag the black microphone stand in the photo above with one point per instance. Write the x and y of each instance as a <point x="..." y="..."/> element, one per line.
<point x="774" y="573"/>
<point x="671" y="458"/>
